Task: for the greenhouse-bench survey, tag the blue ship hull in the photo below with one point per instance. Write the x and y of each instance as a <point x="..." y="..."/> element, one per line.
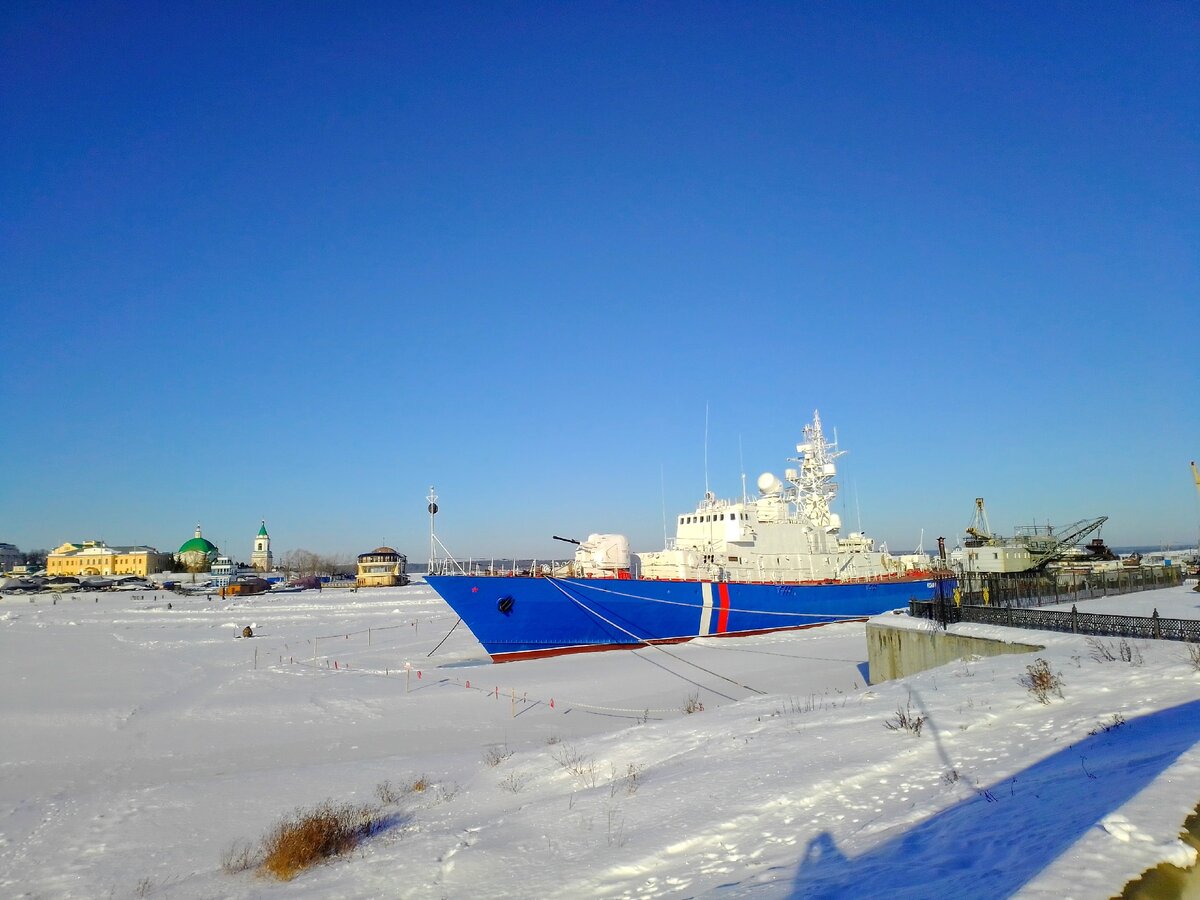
<point x="521" y="617"/>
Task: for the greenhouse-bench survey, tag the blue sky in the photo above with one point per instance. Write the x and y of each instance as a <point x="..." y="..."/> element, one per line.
<point x="303" y="261"/>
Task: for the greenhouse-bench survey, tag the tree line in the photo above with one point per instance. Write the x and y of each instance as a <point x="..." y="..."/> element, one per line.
<point x="293" y="563"/>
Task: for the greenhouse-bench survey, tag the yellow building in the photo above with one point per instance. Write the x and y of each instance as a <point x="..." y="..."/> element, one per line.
<point x="97" y="558"/>
<point x="382" y="567"/>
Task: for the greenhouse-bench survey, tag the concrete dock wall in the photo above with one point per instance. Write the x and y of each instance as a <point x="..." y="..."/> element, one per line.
<point x="894" y="651"/>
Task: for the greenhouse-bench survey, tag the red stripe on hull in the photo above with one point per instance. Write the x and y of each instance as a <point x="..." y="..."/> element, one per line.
<point x="723" y="616"/>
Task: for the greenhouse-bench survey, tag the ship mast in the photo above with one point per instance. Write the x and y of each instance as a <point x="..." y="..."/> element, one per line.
<point x="433" y="508"/>
<point x="814" y="481"/>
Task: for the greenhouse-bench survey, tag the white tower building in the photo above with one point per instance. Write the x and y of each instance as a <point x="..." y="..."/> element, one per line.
<point x="261" y="559"/>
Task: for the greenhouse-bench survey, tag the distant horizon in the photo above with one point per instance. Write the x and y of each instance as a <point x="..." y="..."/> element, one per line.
<point x="422" y="557"/>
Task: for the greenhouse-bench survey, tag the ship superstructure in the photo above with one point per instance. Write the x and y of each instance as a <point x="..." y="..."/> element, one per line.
<point x="788" y="533"/>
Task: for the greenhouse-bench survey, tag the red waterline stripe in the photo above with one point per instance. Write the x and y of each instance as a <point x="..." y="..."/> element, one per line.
<point x="723" y="616"/>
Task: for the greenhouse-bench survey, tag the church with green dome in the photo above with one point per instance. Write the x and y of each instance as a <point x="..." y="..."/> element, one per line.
<point x="198" y="553"/>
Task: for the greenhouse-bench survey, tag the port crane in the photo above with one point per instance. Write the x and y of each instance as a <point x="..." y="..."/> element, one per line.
<point x="1047" y="544"/>
<point x="1044" y="543"/>
<point x="979" y="529"/>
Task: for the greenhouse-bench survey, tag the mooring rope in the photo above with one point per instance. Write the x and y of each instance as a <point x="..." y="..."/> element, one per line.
<point x="446" y="638"/>
<point x="657" y="647"/>
<point x="758" y="612"/>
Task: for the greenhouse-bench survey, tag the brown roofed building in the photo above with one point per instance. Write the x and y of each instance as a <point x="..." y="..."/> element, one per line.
<point x="382" y="567"/>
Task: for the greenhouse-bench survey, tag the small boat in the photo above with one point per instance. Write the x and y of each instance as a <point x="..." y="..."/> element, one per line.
<point x="745" y="566"/>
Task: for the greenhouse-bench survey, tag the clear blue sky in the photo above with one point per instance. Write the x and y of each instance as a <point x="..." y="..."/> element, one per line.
<point x="301" y="261"/>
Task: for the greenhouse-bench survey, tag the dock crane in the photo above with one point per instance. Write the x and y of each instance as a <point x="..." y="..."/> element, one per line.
<point x="979" y="529"/>
<point x="1050" y="546"/>
<point x="1196" y="474"/>
<point x="1043" y="543"/>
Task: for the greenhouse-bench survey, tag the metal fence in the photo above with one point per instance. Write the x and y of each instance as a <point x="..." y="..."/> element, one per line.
<point x="1026" y="589"/>
<point x="1152" y="627"/>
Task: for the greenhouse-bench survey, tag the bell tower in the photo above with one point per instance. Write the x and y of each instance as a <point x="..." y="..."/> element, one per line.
<point x="261" y="559"/>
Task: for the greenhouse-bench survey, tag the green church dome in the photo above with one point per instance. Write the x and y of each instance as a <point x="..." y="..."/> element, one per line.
<point x="199" y="544"/>
<point x="262" y="531"/>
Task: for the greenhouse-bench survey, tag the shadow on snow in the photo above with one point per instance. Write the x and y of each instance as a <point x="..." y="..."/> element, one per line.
<point x="991" y="844"/>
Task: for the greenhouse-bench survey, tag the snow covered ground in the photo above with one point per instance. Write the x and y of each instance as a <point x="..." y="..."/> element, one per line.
<point x="140" y="743"/>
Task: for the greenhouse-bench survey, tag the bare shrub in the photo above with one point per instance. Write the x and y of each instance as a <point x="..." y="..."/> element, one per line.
<point x="144" y="887"/>
<point x="493" y="756"/>
<point x="1193" y="651"/>
<point x="905" y="720"/>
<point x="307" y="837"/>
<point x="514" y="782"/>
<point x="420" y="785"/>
<point x="950" y="777"/>
<point x="1100" y="651"/>
<point x="629" y="781"/>
<point x="1130" y="653"/>
<point x="1107" y="652"/>
<point x="446" y="792"/>
<point x="387" y="793"/>
<point x="578" y="764"/>
<point x="616" y="827"/>
<point x="1041" y="682"/>
<point x="1115" y="721"/>
<point x="240" y="856"/>
<point x="570" y="758"/>
<point x="693" y="704"/>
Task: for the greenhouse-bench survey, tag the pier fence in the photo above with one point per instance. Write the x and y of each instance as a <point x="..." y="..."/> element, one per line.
<point x="1152" y="627"/>
<point x="1025" y="589"/>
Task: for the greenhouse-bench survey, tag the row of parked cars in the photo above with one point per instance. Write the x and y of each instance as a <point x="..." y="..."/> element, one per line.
<point x="62" y="584"/>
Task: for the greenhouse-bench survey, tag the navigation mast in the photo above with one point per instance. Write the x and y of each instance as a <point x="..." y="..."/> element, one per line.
<point x="433" y="508"/>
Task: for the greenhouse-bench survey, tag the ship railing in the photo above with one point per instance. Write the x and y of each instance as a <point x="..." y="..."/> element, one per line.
<point x="445" y="566"/>
<point x="502" y="568"/>
<point x="781" y="577"/>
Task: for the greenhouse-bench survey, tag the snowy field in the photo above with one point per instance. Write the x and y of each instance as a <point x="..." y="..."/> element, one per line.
<point x="141" y="743"/>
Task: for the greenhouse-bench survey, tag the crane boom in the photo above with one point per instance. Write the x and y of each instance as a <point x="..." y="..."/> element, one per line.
<point x="1046" y="544"/>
